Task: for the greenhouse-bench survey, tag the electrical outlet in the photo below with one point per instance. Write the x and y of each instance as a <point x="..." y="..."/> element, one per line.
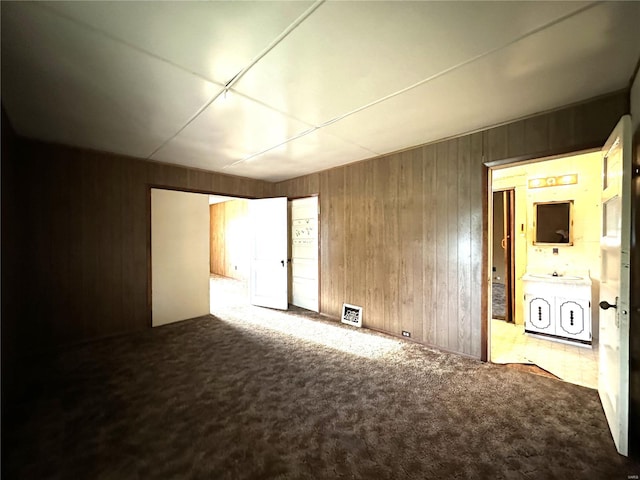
<point x="405" y="333"/>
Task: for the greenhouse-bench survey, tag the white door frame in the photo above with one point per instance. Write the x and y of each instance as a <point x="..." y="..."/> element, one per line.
<point x="488" y="214"/>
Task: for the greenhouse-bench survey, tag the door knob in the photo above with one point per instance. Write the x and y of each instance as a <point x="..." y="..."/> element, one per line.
<point x="282" y="262"/>
<point x="606" y="305"/>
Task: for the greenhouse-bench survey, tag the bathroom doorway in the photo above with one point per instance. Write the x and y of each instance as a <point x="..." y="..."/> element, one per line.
<point x="513" y="193"/>
<point x="503" y="268"/>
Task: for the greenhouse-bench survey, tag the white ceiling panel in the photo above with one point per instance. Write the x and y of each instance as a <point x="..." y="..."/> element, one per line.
<point x="324" y="84"/>
<point x="230" y="129"/>
<point x="214" y="39"/>
<point x="348" y="54"/>
<point x="62" y="85"/>
<point x="301" y="156"/>
<point x="583" y="57"/>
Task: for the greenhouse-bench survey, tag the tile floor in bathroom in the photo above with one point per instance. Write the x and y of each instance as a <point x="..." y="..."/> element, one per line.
<point x="571" y="363"/>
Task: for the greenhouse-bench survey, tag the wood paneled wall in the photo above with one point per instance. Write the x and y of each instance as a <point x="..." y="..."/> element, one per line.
<point x="229" y="252"/>
<point x="401" y="235"/>
<point x="404" y="235"/>
<point x="11" y="240"/>
<point x="83" y="223"/>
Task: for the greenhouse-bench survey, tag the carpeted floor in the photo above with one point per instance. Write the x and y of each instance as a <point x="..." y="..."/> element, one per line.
<point x="271" y="395"/>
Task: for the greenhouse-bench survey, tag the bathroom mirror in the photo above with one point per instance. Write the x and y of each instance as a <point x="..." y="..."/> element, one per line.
<point x="553" y="223"/>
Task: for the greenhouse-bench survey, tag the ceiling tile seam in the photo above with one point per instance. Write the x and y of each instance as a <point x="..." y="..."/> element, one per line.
<point x="270" y="107"/>
<point x="125" y="43"/>
<point x="296" y="137"/>
<point x="189" y="122"/>
<point x="422" y="82"/>
<point x="284" y="34"/>
<point x="461" y="64"/>
<point x="274" y="43"/>
<point x="311" y="126"/>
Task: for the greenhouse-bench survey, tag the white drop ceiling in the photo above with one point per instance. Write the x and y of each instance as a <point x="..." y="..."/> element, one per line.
<point x="274" y="90"/>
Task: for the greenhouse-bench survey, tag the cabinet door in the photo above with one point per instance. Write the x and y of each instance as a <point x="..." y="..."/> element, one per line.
<point x="539" y="315"/>
<point x="574" y="318"/>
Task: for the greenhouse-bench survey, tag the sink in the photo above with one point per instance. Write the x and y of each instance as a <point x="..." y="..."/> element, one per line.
<point x="551" y="277"/>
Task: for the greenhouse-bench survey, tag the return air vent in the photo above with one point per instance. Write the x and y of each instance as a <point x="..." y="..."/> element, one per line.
<point x="351" y="315"/>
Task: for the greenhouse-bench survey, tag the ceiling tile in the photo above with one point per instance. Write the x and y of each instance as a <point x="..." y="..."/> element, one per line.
<point x="63" y="83"/>
<point x="583" y="57"/>
<point x="310" y="153"/>
<point x="213" y="39"/>
<point x="230" y="129"/>
<point x="128" y="77"/>
<point x="348" y="54"/>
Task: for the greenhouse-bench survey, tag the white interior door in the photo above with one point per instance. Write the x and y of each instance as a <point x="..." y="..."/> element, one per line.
<point x="304" y="253"/>
<point x="613" y="377"/>
<point x="179" y="256"/>
<point x="268" y="282"/>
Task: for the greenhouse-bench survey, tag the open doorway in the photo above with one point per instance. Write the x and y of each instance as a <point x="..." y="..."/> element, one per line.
<point x="503" y="269"/>
<point x="514" y="195"/>
<point x="229" y="253"/>
<point x="240" y="235"/>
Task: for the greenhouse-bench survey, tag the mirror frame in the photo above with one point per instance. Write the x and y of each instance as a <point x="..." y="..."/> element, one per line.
<point x="535" y="224"/>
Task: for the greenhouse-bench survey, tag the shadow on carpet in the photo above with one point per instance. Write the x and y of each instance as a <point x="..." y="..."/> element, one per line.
<point x="238" y="399"/>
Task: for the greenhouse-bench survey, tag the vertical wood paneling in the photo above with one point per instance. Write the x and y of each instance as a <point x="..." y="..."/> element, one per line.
<point x="536" y="134"/>
<point x="477" y="229"/>
<point x="217" y="247"/>
<point x="228" y="245"/>
<point x="356" y="261"/>
<point x="420" y="265"/>
<point x="85" y="217"/>
<point x="562" y="129"/>
<point x="407" y="225"/>
<point x="415" y="215"/>
<point x="442" y="245"/>
<point x="391" y="244"/>
<point x="14" y="279"/>
<point x="375" y="240"/>
<point x="573" y="128"/>
<point x="515" y="139"/>
<point x="411" y="228"/>
<point x="464" y="326"/>
<point x="452" y="244"/>
<point x="351" y="262"/>
<point x="135" y="254"/>
<point x="429" y="245"/>
<point x="496" y="143"/>
<point x="335" y="225"/>
<point x="326" y="252"/>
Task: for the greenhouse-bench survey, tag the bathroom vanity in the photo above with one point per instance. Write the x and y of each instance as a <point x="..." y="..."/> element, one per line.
<point x="558" y="305"/>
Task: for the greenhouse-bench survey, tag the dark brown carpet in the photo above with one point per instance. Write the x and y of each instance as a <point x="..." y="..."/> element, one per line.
<point x="284" y="397"/>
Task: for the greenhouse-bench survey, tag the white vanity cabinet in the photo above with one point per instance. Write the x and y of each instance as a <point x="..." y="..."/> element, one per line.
<point x="559" y="306"/>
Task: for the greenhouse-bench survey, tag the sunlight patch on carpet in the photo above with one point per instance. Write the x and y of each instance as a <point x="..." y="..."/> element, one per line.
<point x="338" y="337"/>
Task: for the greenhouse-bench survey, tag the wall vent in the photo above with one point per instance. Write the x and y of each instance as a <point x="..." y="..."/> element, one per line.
<point x="351" y="315"/>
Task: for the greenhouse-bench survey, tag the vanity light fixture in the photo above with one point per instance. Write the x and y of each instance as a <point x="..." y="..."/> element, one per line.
<point x="569" y="179"/>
